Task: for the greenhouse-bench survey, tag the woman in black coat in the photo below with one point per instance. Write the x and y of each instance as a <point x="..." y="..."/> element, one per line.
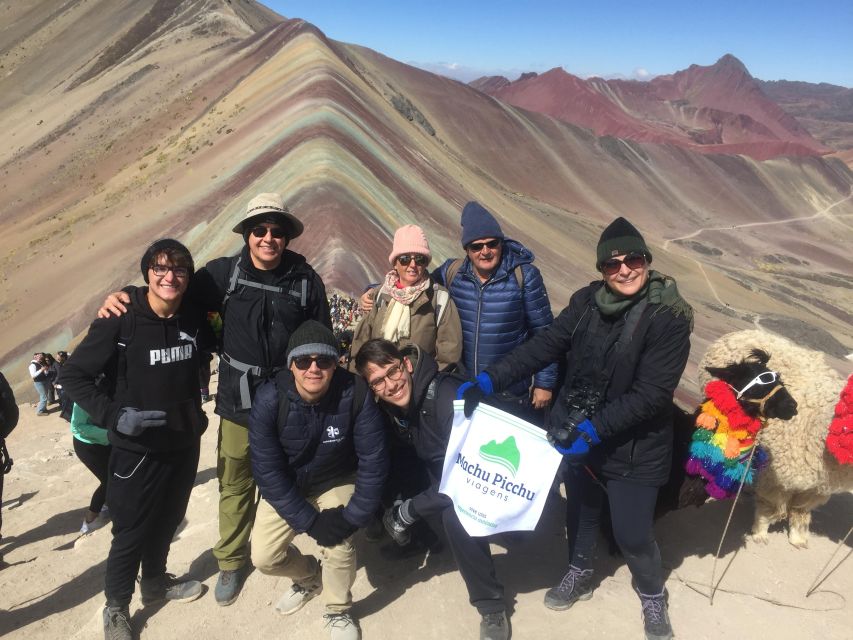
<point x="625" y="339"/>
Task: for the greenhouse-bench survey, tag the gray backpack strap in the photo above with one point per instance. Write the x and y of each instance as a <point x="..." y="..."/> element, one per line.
<point x="232" y="284"/>
<point x="452" y="270"/>
<point x="519" y="277"/>
<point x="245" y="370"/>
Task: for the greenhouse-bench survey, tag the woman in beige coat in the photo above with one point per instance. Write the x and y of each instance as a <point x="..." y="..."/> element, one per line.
<point x="410" y="308"/>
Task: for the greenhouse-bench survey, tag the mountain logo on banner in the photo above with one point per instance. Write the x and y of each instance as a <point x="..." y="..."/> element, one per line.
<point x="505" y="454"/>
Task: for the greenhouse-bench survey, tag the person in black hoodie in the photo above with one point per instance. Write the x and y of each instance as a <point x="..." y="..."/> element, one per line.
<point x="419" y="403"/>
<point x="626" y="339"/>
<point x="262" y="295"/>
<point x="152" y="409"/>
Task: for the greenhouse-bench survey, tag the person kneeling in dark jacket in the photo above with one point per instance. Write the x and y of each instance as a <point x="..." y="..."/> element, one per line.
<point x="319" y="456"/>
<point x="419" y="401"/>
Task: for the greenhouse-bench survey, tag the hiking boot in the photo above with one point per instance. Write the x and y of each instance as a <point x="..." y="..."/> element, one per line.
<point x="300" y="592"/>
<point x="342" y="626"/>
<point x="574" y="586"/>
<point x="117" y="623"/>
<point x="656" y="616"/>
<point x="228" y="586"/>
<point x="168" y="587"/>
<point x="494" y="626"/>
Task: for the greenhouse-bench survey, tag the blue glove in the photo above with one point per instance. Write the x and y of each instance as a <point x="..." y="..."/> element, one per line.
<point x="474" y="391"/>
<point x="582" y="438"/>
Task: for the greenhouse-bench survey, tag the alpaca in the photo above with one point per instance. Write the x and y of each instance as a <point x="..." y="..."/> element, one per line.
<point x="801" y="474"/>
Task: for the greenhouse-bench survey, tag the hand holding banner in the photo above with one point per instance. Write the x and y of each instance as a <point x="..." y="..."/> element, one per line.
<point x="498" y="470"/>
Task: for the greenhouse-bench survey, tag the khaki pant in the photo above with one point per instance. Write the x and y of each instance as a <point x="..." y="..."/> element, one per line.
<point x="273" y="553"/>
<point x="237" y="496"/>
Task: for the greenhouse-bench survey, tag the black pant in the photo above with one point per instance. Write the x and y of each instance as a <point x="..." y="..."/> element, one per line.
<point x="632" y="508"/>
<point x="96" y="457"/>
<point x="474" y="559"/>
<point x="147" y="495"/>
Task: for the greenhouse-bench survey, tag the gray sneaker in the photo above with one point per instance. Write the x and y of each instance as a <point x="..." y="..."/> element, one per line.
<point x="342" y="626"/>
<point x="574" y="586"/>
<point x="300" y="592"/>
<point x="494" y="626"/>
<point x="168" y="587"/>
<point x="656" y="615"/>
<point x="228" y="586"/>
<point x="117" y="623"/>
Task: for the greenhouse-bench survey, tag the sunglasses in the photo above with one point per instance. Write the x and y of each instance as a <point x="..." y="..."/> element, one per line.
<point x="768" y="377"/>
<point x="303" y="363"/>
<point x="261" y="232"/>
<point x="420" y="260"/>
<point x="633" y="261"/>
<point x="476" y="247"/>
<point x="162" y="270"/>
<point x="393" y="374"/>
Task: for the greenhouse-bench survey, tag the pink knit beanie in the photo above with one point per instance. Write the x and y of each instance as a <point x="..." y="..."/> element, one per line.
<point x="409" y="239"/>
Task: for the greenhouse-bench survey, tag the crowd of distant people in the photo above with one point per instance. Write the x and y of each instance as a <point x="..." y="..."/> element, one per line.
<point x="44" y="370"/>
<point x="335" y="413"/>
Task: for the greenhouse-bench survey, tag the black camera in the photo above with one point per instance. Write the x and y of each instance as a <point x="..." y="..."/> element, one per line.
<point x="580" y="404"/>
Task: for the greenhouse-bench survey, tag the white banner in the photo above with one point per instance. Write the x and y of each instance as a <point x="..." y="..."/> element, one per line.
<point x="498" y="471"/>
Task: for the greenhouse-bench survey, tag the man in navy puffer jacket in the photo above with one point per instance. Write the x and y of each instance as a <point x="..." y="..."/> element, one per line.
<point x="319" y="456"/>
<point x="502" y="302"/>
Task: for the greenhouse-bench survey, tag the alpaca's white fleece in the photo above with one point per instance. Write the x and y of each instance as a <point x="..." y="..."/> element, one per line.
<point x="799" y="461"/>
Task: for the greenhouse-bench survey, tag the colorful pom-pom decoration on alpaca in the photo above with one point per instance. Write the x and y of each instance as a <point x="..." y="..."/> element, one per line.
<point x="839" y="441"/>
<point x="723" y="442"/>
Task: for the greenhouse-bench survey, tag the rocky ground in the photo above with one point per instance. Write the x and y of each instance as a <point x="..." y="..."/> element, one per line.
<point x="52" y="578"/>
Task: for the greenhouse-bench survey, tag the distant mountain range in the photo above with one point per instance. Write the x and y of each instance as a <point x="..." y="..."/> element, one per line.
<point x="130" y="120"/>
<point x="720" y="108"/>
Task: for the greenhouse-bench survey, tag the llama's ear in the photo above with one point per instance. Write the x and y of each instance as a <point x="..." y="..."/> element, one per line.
<point x="722" y="373"/>
<point x="760" y="355"/>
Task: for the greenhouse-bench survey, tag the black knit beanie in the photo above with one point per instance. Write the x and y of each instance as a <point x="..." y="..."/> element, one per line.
<point x="478" y="222"/>
<point x="165" y="244"/>
<point x="620" y="238"/>
<point x="312" y="338"/>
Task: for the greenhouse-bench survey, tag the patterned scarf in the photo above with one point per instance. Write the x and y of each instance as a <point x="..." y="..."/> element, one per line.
<point x="398" y="318"/>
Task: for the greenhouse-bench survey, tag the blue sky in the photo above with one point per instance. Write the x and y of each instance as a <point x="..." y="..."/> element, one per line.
<point x="809" y="40"/>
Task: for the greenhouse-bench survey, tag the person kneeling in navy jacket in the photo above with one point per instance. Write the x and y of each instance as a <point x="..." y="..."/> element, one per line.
<point x="319" y="456"/>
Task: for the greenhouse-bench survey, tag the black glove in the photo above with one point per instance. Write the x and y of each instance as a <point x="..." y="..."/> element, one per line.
<point x="5" y="458"/>
<point x="330" y="528"/>
<point x="132" y="422"/>
<point x="474" y="391"/>
<point x="398" y="519"/>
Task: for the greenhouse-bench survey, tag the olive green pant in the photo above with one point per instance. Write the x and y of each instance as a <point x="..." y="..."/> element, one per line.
<point x="238" y="496"/>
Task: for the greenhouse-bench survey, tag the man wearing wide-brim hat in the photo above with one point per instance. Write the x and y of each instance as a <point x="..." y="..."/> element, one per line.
<point x="262" y="294"/>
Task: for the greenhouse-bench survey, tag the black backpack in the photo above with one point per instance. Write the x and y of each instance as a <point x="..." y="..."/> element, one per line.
<point x="8" y="408"/>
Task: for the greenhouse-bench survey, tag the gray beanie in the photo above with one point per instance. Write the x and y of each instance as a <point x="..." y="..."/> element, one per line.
<point x="618" y="239"/>
<point x="312" y="338"/>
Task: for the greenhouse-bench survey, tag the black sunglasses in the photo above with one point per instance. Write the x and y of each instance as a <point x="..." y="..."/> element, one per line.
<point x="478" y="246"/>
<point x="303" y="363"/>
<point x="419" y="259"/>
<point x="261" y="232"/>
<point x="632" y="261"/>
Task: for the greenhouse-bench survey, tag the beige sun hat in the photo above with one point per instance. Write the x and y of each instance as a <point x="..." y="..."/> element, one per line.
<point x="270" y="207"/>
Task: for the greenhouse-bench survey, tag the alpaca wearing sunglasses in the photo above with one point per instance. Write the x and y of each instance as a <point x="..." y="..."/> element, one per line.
<point x="810" y="454"/>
